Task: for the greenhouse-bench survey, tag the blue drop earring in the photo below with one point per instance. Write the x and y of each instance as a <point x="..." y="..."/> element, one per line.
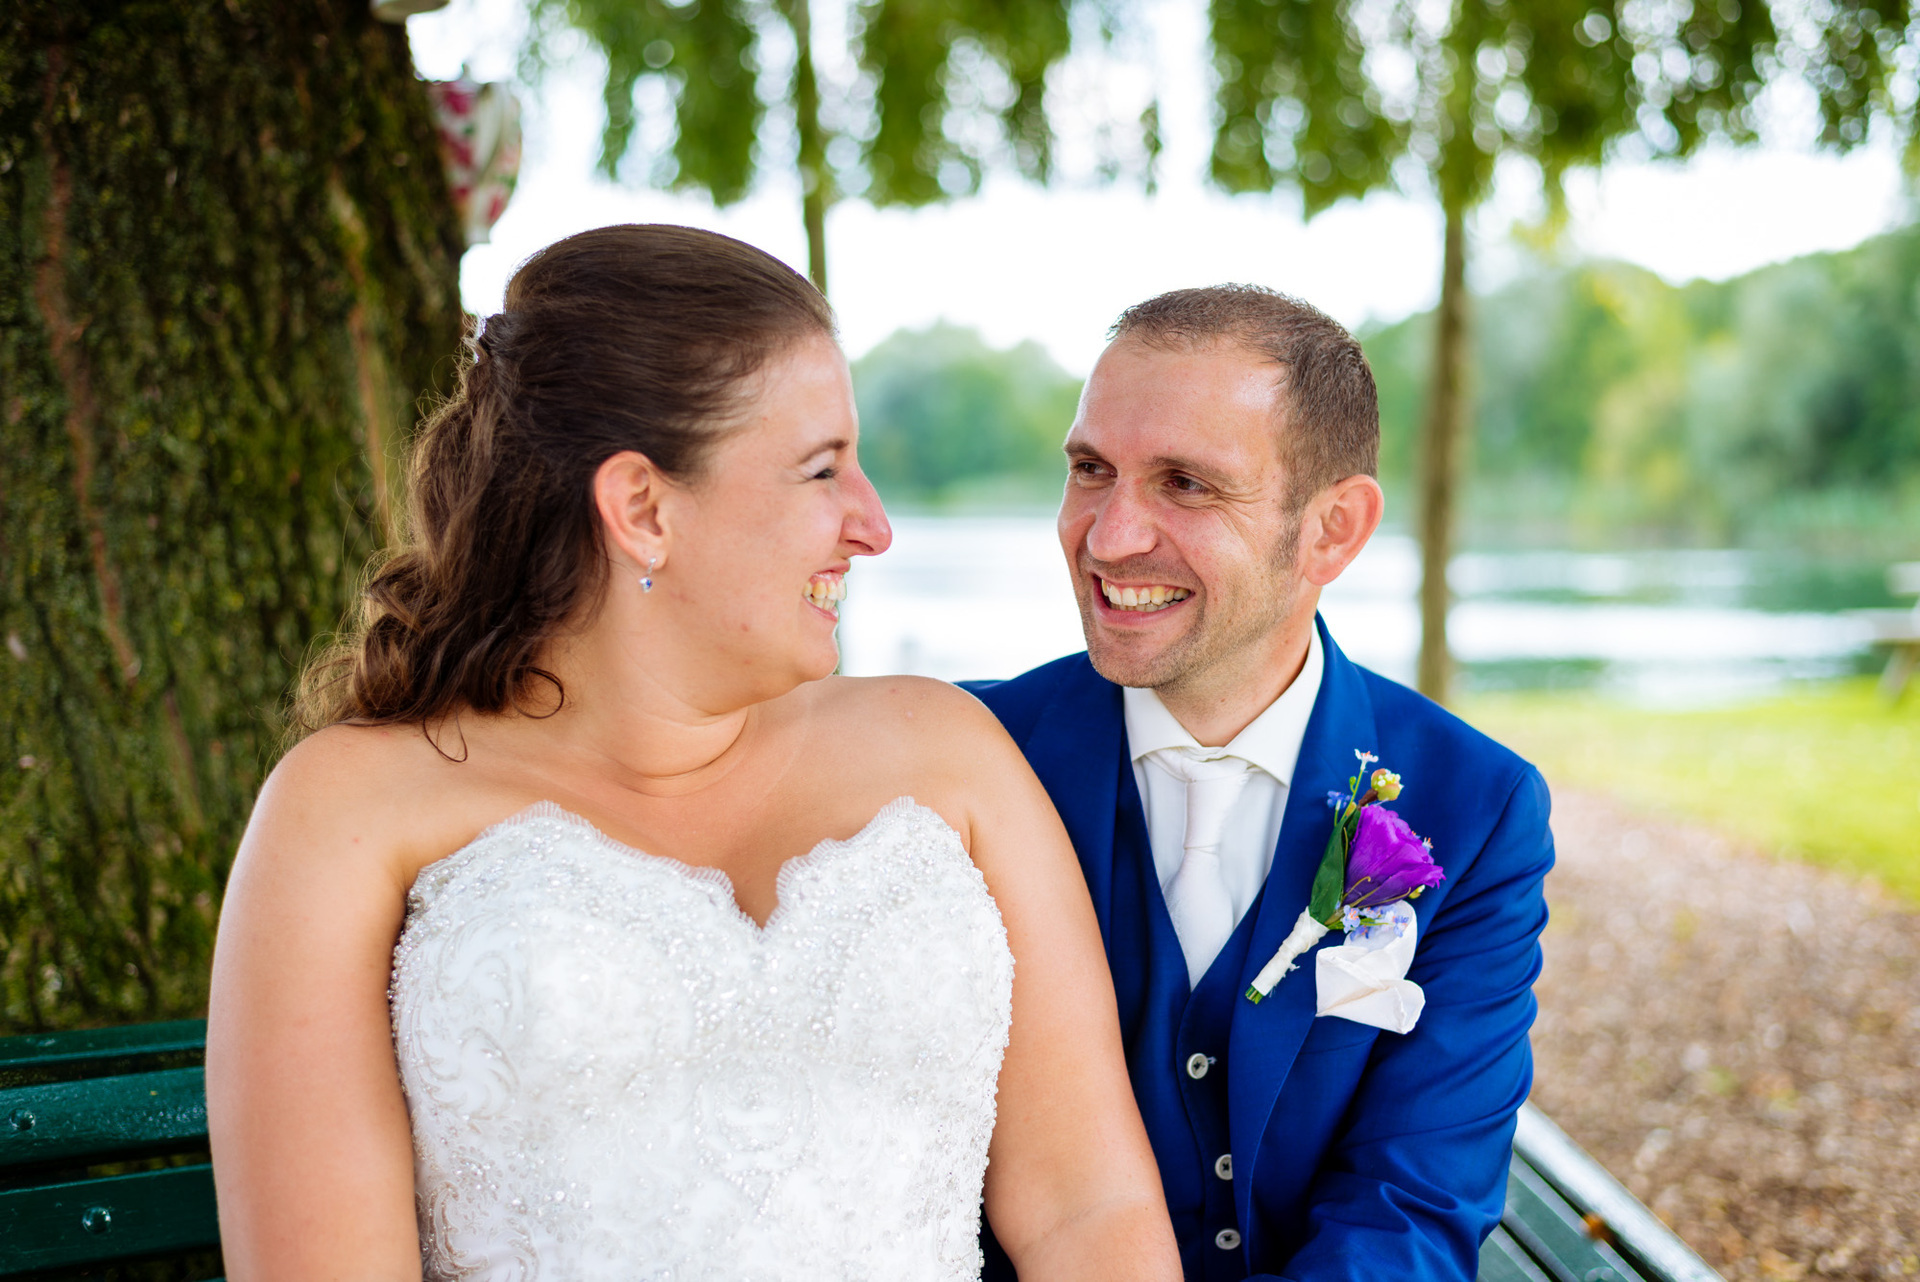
<point x="646" y="580"/>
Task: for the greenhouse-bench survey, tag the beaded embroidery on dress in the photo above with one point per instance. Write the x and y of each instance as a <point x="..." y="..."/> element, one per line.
<point x="614" y="1073"/>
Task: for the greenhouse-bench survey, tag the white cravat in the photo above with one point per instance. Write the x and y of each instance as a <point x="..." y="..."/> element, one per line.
<point x="1252" y="822"/>
<point x="1198" y="900"/>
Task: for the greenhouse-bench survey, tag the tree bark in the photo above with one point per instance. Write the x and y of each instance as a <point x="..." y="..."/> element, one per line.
<point x="1440" y="457"/>
<point x="228" y="271"/>
<point x="815" y="182"/>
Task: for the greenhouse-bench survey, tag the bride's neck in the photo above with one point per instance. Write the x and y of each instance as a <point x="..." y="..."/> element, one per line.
<point x="640" y="721"/>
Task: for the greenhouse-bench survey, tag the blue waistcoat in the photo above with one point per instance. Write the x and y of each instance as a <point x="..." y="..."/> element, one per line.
<point x="1349" y="1153"/>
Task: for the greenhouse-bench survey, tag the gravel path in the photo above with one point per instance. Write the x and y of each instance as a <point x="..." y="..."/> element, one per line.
<point x="1738" y="1039"/>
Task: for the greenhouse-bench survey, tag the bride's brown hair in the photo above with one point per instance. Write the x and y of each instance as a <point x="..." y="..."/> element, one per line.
<point x="623" y="338"/>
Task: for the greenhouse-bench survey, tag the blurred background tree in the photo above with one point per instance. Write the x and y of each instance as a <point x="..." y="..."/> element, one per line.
<point x="745" y="84"/>
<point x="945" y="417"/>
<point x="1746" y="411"/>
<point x="228" y="269"/>
<point x="1776" y="408"/>
<point x="1340" y="98"/>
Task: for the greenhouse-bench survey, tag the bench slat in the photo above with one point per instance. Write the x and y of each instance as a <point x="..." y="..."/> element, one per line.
<point x="1542" y="1221"/>
<point x="76" y="1053"/>
<point x="103" y="1119"/>
<point x="93" y="1221"/>
<point x="1504" y="1260"/>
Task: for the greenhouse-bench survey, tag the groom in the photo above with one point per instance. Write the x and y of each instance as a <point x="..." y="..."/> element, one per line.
<point x="1221" y="475"/>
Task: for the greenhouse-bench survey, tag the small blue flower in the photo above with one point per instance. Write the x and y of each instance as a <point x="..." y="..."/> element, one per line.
<point x="1336" y="799"/>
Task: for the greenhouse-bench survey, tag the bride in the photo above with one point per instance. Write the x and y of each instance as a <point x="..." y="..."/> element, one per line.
<point x="600" y="932"/>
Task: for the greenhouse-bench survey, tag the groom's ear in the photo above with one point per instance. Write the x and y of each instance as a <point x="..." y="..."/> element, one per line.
<point x="630" y="494"/>
<point x="1336" y="524"/>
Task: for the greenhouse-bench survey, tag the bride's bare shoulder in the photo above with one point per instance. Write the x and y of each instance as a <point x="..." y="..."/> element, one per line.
<point x="914" y="719"/>
<point x="914" y="705"/>
<point x="940" y="745"/>
<point x="381" y="791"/>
<point x="369" y="762"/>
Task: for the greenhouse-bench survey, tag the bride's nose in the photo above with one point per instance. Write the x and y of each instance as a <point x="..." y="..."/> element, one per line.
<point x="867" y="528"/>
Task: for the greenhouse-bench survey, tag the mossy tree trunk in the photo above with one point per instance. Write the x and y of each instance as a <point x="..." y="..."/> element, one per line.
<point x="228" y="271"/>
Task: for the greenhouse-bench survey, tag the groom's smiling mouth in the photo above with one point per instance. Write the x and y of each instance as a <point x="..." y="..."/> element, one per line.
<point x="1141" y="599"/>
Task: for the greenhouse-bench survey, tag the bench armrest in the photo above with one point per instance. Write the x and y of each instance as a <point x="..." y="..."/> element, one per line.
<point x="1589" y="1188"/>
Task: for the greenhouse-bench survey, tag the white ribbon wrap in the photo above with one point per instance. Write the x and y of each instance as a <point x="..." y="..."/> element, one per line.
<point x="1365" y="979"/>
<point x="1305" y="934"/>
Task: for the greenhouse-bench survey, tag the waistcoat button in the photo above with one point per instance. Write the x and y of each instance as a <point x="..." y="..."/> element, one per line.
<point x="1226" y="1239"/>
<point x="1196" y="1066"/>
<point x="1223" y="1166"/>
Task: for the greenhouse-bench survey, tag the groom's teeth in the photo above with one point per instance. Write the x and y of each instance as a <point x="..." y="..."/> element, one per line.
<point x="1144" y="600"/>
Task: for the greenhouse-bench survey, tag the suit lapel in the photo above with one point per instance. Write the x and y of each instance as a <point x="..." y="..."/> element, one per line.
<point x="1077" y="748"/>
<point x="1264" y="1039"/>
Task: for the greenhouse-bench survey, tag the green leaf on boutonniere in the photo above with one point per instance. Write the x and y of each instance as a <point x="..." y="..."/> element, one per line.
<point x="1330" y="882"/>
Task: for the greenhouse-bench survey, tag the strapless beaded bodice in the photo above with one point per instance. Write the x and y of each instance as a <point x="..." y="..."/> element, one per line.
<point x="614" y="1073"/>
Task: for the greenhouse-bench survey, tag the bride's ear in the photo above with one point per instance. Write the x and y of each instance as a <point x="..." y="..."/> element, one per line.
<point x="630" y="494"/>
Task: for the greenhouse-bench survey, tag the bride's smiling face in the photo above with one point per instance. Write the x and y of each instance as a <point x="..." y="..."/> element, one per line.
<point x="758" y="548"/>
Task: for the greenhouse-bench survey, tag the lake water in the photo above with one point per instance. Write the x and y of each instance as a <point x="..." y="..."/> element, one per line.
<point x="960" y="597"/>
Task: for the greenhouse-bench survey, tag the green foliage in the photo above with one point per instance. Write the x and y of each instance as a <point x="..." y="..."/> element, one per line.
<point x="1295" y="102"/>
<point x="919" y="52"/>
<point x="1862" y="58"/>
<point x="943" y="415"/>
<point x="706" y="52"/>
<point x="227" y="269"/>
<point x="1830" y="774"/>
<point x="1558" y="81"/>
<point x="926" y="60"/>
<point x="1696" y="410"/>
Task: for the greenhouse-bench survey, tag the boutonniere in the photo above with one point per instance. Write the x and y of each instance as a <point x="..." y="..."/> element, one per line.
<point x="1374" y="864"/>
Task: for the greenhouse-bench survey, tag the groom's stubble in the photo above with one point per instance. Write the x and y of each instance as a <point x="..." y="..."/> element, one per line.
<point x="1228" y="620"/>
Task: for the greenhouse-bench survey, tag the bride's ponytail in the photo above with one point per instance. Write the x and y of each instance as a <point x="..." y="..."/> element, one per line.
<point x="624" y="338"/>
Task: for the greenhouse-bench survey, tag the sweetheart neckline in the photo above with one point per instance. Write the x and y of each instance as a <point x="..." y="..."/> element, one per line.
<point x="715" y="880"/>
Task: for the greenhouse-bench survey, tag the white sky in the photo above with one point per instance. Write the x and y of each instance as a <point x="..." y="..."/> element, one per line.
<point x="1018" y="262"/>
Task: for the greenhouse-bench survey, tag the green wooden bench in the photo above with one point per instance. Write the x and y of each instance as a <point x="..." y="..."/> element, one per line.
<point x="103" y="1161"/>
<point x="103" y="1154"/>
<point x="1568" y="1220"/>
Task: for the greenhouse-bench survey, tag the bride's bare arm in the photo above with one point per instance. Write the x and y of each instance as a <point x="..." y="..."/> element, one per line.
<point x="1072" y="1188"/>
<point x="312" y="1154"/>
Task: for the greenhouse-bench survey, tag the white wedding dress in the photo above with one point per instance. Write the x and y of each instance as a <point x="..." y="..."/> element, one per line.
<point x="614" y="1073"/>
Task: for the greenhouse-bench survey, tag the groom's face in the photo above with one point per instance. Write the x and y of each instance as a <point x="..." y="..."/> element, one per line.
<point x="1175" y="522"/>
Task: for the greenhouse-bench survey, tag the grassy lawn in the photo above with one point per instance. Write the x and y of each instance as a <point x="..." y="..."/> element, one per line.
<point x="1828" y="773"/>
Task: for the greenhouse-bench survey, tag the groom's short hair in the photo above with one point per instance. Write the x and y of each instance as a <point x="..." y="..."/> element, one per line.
<point x="1330" y="409"/>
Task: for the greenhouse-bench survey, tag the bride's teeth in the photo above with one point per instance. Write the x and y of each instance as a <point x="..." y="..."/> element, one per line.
<point x="827" y="593"/>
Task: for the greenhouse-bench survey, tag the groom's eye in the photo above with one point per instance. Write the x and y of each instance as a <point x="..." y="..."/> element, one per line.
<point x="1186" y="484"/>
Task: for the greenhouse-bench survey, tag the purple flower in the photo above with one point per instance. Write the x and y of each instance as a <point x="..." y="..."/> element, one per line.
<point x="1387" y="861"/>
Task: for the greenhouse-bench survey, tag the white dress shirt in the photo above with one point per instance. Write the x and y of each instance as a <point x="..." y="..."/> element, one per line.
<point x="1271" y="744"/>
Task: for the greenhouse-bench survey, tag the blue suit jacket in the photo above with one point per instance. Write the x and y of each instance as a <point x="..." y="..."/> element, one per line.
<point x="1358" y="1154"/>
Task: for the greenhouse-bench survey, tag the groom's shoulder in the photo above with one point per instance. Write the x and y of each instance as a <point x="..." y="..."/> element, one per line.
<point x="1019" y="701"/>
<point x="1418" y="729"/>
